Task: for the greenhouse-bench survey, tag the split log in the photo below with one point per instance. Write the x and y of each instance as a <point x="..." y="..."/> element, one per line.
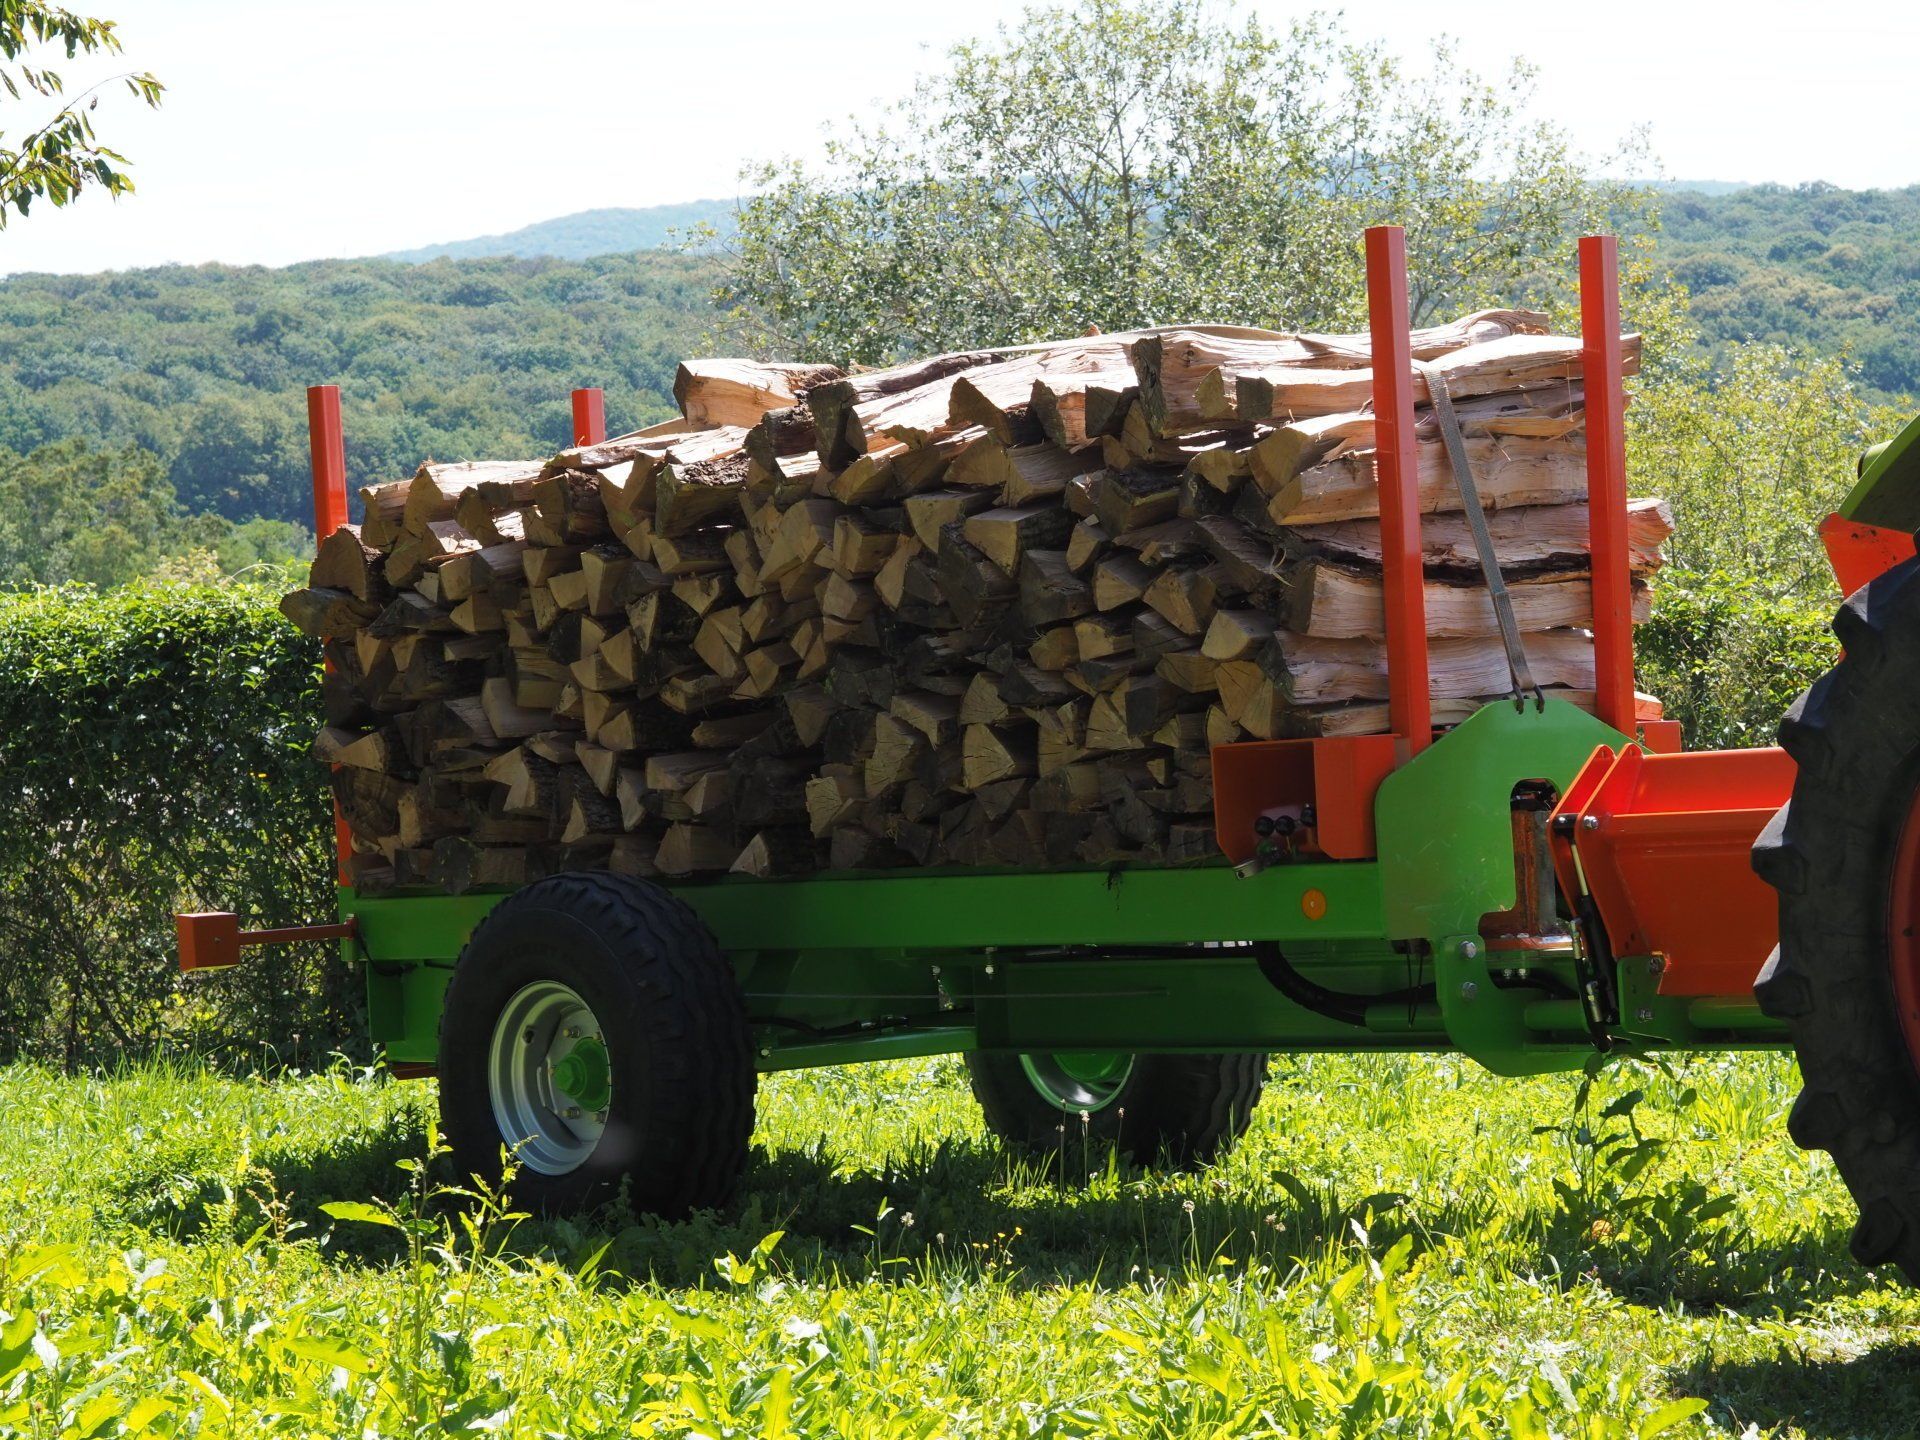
<point x="741" y="392"/>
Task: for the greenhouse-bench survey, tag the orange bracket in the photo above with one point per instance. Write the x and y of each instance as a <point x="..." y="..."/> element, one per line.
<point x="1859" y="553"/>
<point x="1327" y="786"/>
<point x="212" y="939"/>
<point x="1662" y="844"/>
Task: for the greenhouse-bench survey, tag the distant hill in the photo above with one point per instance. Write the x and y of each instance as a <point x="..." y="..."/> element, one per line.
<point x="1815" y="267"/>
<point x="587" y="234"/>
<point x="1700" y="187"/>
<point x="454" y="360"/>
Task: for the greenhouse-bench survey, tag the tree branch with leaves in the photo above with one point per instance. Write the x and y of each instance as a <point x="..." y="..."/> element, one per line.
<point x="61" y="156"/>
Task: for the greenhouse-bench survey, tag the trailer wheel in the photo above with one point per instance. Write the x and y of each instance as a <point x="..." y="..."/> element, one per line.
<point x="1187" y="1108"/>
<point x="593" y="1027"/>
<point x="1844" y="855"/>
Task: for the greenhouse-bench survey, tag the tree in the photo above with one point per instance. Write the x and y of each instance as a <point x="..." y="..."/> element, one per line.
<point x="1126" y="162"/>
<point x="61" y="156"/>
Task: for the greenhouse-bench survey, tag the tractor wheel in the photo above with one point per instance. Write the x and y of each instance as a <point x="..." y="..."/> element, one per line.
<point x="1844" y="854"/>
<point x="593" y="1028"/>
<point x="1185" y="1107"/>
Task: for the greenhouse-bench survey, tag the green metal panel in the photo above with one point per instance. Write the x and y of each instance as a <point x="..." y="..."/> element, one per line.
<point x="918" y="911"/>
<point x="403" y="1009"/>
<point x="1888" y="490"/>
<point x="1446" y="859"/>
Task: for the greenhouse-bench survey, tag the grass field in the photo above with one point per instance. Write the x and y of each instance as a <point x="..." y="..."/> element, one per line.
<point x="1398" y="1247"/>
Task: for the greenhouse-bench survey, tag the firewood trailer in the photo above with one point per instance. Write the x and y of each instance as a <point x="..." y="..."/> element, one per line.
<point x="1528" y="887"/>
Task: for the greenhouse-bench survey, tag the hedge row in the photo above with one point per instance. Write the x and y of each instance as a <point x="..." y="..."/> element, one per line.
<point x="154" y="742"/>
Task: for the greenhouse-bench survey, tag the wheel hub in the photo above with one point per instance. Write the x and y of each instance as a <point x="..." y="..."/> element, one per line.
<point x="549" y="1077"/>
<point x="1078" y="1082"/>
<point x="584" y="1074"/>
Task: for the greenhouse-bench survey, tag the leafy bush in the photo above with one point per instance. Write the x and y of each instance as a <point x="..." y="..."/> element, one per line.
<point x="1728" y="659"/>
<point x="154" y="740"/>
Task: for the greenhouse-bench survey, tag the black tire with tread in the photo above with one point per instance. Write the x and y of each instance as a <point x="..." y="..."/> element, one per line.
<point x="675" y="1023"/>
<point x="1855" y="739"/>
<point x="1186" y="1108"/>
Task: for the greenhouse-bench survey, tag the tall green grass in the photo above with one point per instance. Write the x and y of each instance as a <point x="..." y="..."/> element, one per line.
<point x="1402" y="1246"/>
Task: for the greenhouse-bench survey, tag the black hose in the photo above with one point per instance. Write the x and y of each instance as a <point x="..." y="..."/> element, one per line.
<point x="1346" y="1006"/>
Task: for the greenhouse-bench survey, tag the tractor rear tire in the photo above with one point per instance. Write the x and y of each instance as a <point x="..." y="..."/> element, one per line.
<point x="593" y="1027"/>
<point x="1844" y="855"/>
<point x="1184" y="1108"/>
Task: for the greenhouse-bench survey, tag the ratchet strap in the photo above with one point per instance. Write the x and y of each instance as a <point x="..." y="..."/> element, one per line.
<point x="1456" y="445"/>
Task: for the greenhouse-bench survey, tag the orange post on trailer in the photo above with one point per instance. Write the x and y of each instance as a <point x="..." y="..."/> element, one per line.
<point x="589" y="416"/>
<point x="1397" y="462"/>
<point x="1605" y="399"/>
<point x="327" y="442"/>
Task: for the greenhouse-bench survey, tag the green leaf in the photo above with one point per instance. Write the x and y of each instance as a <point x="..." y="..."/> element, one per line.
<point x="331" y="1352"/>
<point x="360" y="1212"/>
<point x="1668" y="1416"/>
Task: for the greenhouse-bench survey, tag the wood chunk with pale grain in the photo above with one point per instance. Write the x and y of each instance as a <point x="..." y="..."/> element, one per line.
<point x="992" y="753"/>
<point x="741" y="392"/>
<point x="1131" y="500"/>
<point x="1505" y="472"/>
<point x="1004" y="533"/>
<point x="1334" y="601"/>
<point x="930" y="512"/>
<point x="328" y="614"/>
<point x="1527" y="540"/>
<point x="345" y="562"/>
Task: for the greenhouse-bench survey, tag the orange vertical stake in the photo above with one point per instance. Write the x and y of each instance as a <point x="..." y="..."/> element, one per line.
<point x="589" y="417"/>
<point x="1606" y="401"/>
<point x="326" y="441"/>
<point x="1397" y="465"/>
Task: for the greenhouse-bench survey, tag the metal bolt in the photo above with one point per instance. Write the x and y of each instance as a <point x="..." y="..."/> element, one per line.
<point x="989" y="968"/>
<point x="1469" y="949"/>
<point x="1589" y="822"/>
<point x="573" y="1032"/>
<point x="1644" y="1014"/>
<point x="936" y="971"/>
<point x="1656" y="964"/>
<point x="600" y="1116"/>
<point x="1468" y="990"/>
<point x="573" y="1112"/>
<point x="766" y="1051"/>
<point x="527" y="1034"/>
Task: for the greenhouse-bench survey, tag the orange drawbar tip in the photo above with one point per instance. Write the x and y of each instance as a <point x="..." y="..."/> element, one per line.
<point x="209" y="940"/>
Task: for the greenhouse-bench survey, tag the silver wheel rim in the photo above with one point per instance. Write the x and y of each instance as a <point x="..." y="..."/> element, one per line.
<point x="544" y="1128"/>
<point x="1070" y="1093"/>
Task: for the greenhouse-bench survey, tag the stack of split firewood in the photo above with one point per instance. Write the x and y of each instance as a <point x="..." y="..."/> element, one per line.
<point x="990" y="608"/>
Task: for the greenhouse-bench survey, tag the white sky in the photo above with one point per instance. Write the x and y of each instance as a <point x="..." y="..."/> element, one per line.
<point x="346" y="127"/>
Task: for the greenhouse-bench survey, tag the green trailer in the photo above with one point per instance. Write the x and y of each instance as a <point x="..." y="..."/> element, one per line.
<point x="1528" y="887"/>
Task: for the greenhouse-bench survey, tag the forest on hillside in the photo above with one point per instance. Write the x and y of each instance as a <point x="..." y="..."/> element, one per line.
<point x="205" y="366"/>
<point x="1823" y="270"/>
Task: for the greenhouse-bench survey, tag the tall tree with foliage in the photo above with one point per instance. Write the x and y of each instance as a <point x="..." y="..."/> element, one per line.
<point x="1126" y="162"/>
<point x="59" y="156"/>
